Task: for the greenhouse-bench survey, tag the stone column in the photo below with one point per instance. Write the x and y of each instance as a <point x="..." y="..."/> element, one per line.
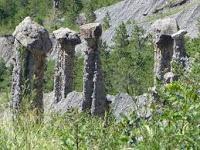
<point x="99" y="101"/>
<point x="179" y="53"/>
<point x="66" y="42"/>
<point x="31" y="45"/>
<point x="162" y="31"/>
<point x="93" y="88"/>
<point x="163" y="56"/>
<point x="16" y="89"/>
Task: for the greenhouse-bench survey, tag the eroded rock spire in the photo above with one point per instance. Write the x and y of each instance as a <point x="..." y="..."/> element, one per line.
<point x="164" y="45"/>
<point x="66" y="42"/>
<point x="93" y="88"/>
<point x="31" y="46"/>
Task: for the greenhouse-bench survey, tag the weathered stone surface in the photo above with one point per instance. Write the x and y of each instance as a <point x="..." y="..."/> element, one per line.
<point x="92" y="30"/>
<point x="169" y="77"/>
<point x="143" y="105"/>
<point x="166" y="26"/>
<point x="93" y="88"/>
<point x="33" y="36"/>
<point x="162" y="57"/>
<point x="66" y="42"/>
<point x="164" y="46"/>
<point x="99" y="101"/>
<point x="142" y="12"/>
<point x="179" y="53"/>
<point x="120" y="105"/>
<point x="72" y="101"/>
<point x="31" y="43"/>
<point x="6" y="48"/>
<point x="123" y="105"/>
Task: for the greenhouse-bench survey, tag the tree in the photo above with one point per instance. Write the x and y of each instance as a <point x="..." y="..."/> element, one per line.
<point x="128" y="67"/>
<point x="121" y="37"/>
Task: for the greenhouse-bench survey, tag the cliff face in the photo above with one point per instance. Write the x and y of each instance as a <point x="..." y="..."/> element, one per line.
<point x="145" y="12"/>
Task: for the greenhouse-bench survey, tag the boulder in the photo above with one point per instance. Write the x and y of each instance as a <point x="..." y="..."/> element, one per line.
<point x="169" y="77"/>
<point x="72" y="101"/>
<point x="123" y="105"/>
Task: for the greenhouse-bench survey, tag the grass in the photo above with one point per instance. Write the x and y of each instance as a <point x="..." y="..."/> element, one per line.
<point x="176" y="127"/>
<point x="4" y="99"/>
<point x="71" y="131"/>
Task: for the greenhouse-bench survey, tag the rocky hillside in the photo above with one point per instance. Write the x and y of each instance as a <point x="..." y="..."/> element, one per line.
<point x="186" y="12"/>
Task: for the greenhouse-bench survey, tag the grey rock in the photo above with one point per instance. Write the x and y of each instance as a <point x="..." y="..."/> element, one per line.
<point x="31" y="45"/>
<point x="143" y="104"/>
<point x="72" y="101"/>
<point x="169" y="48"/>
<point x="179" y="53"/>
<point x="120" y="105"/>
<point x="166" y="26"/>
<point x="6" y="48"/>
<point x="142" y="12"/>
<point x="123" y="105"/>
<point x="66" y="42"/>
<point x="169" y="77"/>
<point x="163" y="57"/>
<point x="33" y="36"/>
<point x="164" y="44"/>
<point x="93" y="87"/>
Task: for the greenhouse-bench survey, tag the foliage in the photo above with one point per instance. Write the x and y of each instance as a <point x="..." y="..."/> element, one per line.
<point x="175" y="127"/>
<point x="49" y="76"/>
<point x="13" y="12"/>
<point x="71" y="131"/>
<point x="78" y="73"/>
<point x="129" y="66"/>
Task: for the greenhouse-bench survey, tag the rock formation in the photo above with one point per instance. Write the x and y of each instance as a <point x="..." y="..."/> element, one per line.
<point x="6" y="48"/>
<point x="169" y="48"/>
<point x="66" y="42"/>
<point x="164" y="45"/>
<point x="93" y="88"/>
<point x="142" y="12"/>
<point x="31" y="46"/>
<point x="179" y="53"/>
<point x="169" y="77"/>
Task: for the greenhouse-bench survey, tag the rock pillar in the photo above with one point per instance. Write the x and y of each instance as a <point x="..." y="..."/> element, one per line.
<point x="163" y="56"/>
<point x="66" y="42"/>
<point x="31" y="46"/>
<point x="93" y="88"/>
<point x="164" y="43"/>
<point x="179" y="53"/>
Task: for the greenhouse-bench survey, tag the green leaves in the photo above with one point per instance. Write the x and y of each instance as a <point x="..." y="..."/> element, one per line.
<point x="129" y="66"/>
